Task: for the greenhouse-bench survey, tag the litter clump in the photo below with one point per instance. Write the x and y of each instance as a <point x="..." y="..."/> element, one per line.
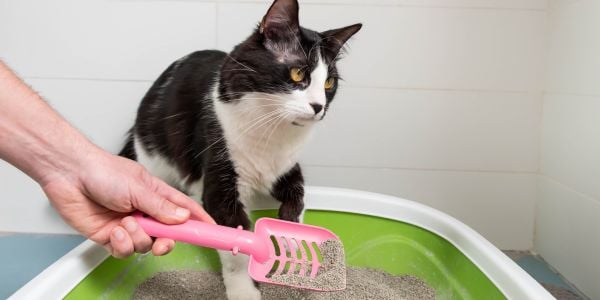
<point x="361" y="283"/>
<point x="331" y="274"/>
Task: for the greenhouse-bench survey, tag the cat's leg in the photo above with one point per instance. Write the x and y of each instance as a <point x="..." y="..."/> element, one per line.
<point x="289" y="190"/>
<point x="224" y="206"/>
<point x="238" y="284"/>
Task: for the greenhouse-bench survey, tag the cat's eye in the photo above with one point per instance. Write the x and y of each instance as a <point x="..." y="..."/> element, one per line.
<point x="296" y="74"/>
<point x="329" y="83"/>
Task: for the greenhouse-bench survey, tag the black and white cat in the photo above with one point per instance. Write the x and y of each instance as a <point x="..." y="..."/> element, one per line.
<point x="227" y="128"/>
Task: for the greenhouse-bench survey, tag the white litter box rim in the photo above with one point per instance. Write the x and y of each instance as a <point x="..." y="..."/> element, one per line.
<point x="65" y="274"/>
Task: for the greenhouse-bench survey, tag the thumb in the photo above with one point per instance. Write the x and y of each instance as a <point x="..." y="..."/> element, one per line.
<point x="160" y="208"/>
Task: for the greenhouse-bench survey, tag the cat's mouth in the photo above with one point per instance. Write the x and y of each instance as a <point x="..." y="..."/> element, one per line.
<point x="305" y="121"/>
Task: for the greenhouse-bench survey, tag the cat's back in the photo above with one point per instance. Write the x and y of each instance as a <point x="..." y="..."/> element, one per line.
<point x="167" y="119"/>
<point x="205" y="63"/>
<point x="182" y="84"/>
<point x="198" y="69"/>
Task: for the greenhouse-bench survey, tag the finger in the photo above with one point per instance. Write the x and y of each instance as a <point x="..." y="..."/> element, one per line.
<point x="162" y="246"/>
<point x="142" y="243"/>
<point x="184" y="201"/>
<point x="160" y="208"/>
<point x="121" y="243"/>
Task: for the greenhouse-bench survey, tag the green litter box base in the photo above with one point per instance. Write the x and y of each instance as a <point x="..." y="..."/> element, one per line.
<point x="392" y="246"/>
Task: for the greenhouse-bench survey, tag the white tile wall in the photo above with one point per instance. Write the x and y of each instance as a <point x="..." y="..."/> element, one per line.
<point x="24" y="205"/>
<point x="485" y="4"/>
<point x="497" y="205"/>
<point x="103" y="110"/>
<point x="571" y="141"/>
<point x="441" y="101"/>
<point x="416" y="129"/>
<point x="568" y="225"/>
<point x="567" y="229"/>
<point x="101" y="38"/>
<point x="420" y="47"/>
<point x="574" y="46"/>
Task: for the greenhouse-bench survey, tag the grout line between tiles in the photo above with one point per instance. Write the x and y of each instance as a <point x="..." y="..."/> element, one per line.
<point x="407" y="5"/>
<point x="422" y="169"/>
<point x="570" y="188"/>
<point x="564" y="93"/>
<point x="351" y="86"/>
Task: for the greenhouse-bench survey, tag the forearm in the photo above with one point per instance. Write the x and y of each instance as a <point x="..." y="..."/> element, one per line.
<point x="34" y="137"/>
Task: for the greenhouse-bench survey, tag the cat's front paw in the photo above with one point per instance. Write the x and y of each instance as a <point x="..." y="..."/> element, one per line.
<point x="243" y="293"/>
<point x="290" y="211"/>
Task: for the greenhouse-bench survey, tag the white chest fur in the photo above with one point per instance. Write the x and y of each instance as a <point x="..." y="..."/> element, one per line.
<point x="263" y="144"/>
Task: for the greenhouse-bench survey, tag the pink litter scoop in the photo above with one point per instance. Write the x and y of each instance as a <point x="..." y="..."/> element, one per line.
<point x="281" y="252"/>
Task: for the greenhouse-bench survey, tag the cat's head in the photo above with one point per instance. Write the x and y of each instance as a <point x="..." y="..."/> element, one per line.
<point x="285" y="69"/>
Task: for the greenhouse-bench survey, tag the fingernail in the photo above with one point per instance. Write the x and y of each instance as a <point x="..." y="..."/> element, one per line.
<point x="131" y="226"/>
<point x="119" y="235"/>
<point x="182" y="212"/>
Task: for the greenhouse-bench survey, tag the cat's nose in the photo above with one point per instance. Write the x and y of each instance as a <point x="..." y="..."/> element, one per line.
<point x="316" y="107"/>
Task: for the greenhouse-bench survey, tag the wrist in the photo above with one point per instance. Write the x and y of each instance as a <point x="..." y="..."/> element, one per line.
<point x="46" y="153"/>
<point x="67" y="161"/>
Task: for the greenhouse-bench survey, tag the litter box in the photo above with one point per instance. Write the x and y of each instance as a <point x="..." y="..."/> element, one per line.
<point x="378" y="231"/>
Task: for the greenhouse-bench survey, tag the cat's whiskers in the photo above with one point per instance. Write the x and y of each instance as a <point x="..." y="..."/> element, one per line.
<point x="174" y="115"/>
<point x="255" y="95"/>
<point x="265" y="120"/>
<point x="285" y="115"/>
<point x="233" y="70"/>
<point x="241" y="64"/>
<point x="269" y="127"/>
<point x="223" y="137"/>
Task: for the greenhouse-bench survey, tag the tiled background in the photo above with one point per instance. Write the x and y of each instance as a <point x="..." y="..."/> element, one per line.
<point x="568" y="212"/>
<point x="442" y="98"/>
<point x="445" y="102"/>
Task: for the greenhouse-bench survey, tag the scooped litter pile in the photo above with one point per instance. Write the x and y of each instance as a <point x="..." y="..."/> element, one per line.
<point x="331" y="274"/>
<point x="361" y="283"/>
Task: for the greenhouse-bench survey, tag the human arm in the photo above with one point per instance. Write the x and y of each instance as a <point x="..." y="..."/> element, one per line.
<point x="93" y="190"/>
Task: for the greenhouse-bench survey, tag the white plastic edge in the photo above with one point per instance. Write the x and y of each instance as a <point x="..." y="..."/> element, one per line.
<point x="510" y="279"/>
<point x="62" y="276"/>
<point x="56" y="281"/>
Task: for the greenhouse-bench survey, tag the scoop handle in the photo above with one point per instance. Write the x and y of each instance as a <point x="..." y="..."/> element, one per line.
<point x="207" y="235"/>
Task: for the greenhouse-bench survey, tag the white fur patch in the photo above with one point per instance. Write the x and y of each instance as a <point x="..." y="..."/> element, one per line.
<point x="157" y="165"/>
<point x="300" y="100"/>
<point x="238" y="285"/>
<point x="162" y="168"/>
<point x="263" y="143"/>
<point x="262" y="135"/>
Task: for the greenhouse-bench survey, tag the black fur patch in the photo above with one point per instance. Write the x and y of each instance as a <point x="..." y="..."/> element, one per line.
<point x="176" y="118"/>
<point x="289" y="190"/>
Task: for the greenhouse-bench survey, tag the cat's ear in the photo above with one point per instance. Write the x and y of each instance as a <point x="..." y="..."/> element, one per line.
<point x="335" y="39"/>
<point x="281" y="20"/>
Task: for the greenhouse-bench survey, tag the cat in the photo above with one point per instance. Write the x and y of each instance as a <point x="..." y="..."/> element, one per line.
<point x="227" y="128"/>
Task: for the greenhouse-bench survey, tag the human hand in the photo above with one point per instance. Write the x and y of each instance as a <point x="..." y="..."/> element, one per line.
<point x="93" y="190"/>
<point x="97" y="198"/>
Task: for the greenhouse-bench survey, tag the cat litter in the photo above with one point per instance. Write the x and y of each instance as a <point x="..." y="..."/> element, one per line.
<point x="331" y="274"/>
<point x="361" y="283"/>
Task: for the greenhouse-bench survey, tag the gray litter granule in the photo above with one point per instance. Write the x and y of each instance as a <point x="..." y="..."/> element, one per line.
<point x="331" y="275"/>
<point x="182" y="285"/>
<point x="361" y="284"/>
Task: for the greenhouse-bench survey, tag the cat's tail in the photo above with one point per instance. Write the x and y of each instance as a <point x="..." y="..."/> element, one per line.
<point x="128" y="150"/>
